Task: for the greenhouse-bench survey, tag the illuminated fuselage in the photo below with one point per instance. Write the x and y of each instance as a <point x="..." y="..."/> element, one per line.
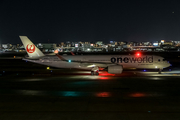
<point x="88" y="61"/>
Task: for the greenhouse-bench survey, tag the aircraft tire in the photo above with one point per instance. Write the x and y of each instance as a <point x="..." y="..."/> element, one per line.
<point x="97" y="73"/>
<point x="92" y="72"/>
<point x="159" y="71"/>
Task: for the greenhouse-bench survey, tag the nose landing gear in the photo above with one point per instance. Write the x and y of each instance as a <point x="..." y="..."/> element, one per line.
<point x="159" y="71"/>
<point x="95" y="71"/>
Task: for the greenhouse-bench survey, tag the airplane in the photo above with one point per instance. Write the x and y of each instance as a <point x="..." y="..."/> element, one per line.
<point x="113" y="63"/>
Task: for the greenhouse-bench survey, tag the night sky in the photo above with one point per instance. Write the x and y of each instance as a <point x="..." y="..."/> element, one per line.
<point x="88" y="20"/>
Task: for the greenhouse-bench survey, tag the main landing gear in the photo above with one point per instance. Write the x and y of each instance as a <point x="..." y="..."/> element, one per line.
<point x="95" y="71"/>
<point x="160" y="70"/>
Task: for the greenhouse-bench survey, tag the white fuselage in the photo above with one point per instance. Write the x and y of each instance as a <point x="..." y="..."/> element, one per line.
<point x="89" y="61"/>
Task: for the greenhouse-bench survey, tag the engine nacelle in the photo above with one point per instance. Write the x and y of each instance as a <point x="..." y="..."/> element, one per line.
<point x="115" y="69"/>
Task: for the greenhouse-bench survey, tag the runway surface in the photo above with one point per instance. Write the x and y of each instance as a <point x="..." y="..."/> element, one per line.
<point x="30" y="91"/>
<point x="86" y="97"/>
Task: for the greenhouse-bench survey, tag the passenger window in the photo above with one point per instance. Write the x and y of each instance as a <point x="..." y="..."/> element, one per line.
<point x="159" y="60"/>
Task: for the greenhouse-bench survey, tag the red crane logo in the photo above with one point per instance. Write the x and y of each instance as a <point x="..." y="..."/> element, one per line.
<point x="30" y="48"/>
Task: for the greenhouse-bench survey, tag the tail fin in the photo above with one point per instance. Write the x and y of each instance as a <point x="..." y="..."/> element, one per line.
<point x="30" y="48"/>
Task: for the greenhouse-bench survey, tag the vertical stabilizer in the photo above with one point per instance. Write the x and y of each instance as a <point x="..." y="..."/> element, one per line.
<point x="30" y="48"/>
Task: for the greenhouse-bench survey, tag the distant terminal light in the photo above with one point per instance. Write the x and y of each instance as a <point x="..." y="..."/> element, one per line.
<point x="56" y="51"/>
<point x="155" y="44"/>
<point x="76" y="45"/>
<point x="162" y="41"/>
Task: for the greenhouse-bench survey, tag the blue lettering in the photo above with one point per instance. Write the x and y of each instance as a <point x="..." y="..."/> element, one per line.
<point x="113" y="60"/>
<point x="119" y="59"/>
<point x="150" y="59"/>
<point x="132" y="59"/>
<point x="145" y="59"/>
<point x="126" y="60"/>
<point x="139" y="60"/>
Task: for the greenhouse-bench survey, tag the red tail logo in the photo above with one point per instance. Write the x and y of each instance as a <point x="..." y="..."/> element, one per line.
<point x="30" y="48"/>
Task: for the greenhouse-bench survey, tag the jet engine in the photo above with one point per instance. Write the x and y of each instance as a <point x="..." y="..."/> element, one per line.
<point x="115" y="69"/>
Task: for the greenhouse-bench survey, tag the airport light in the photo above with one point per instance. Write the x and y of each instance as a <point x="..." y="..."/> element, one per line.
<point x="48" y="68"/>
<point x="56" y="51"/>
<point x="103" y="94"/>
<point x="69" y="60"/>
<point x="138" y="95"/>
